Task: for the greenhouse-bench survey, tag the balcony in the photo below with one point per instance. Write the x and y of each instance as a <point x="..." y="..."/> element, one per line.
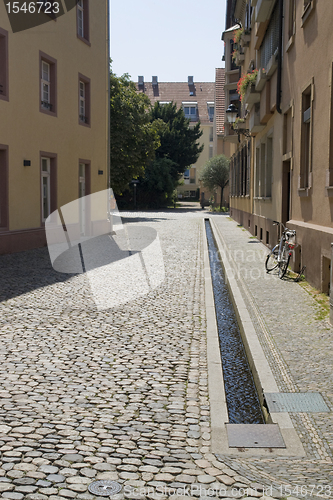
<point x="251" y="97"/>
<point x="239" y="58"/>
<point x="230" y="134"/>
<point x="272" y="64"/>
<point x="261" y="80"/>
<point x="254" y="121"/>
<point x="245" y="40"/>
<point x="264" y="10"/>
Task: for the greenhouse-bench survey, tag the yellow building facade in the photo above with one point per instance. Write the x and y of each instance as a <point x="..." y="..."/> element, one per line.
<point x="53" y="119"/>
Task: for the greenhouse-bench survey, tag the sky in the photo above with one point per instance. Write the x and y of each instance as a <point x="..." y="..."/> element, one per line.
<point x="170" y="39"/>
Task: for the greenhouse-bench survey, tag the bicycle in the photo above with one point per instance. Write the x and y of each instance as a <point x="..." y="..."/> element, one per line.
<point x="280" y="255"/>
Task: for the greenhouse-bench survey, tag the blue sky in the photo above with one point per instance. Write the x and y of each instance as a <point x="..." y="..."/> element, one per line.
<point x="168" y="38"/>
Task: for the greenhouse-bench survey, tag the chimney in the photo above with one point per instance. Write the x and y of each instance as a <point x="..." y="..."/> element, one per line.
<point x="141" y="81"/>
<point x="190" y="80"/>
<point x="154" y="81"/>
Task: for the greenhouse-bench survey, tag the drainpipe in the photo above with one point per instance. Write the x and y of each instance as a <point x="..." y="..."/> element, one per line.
<point x="279" y="68"/>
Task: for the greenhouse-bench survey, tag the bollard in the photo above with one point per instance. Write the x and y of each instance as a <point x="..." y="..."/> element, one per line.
<point x="331" y="287"/>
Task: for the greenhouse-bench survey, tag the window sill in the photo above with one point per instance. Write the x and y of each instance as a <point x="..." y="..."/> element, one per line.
<point x="290" y="43"/>
<point x="262" y="198"/>
<point x="303" y="192"/>
<point x="84" y="124"/>
<point x="48" y="112"/>
<point x="85" y="40"/>
<point x="287" y="156"/>
<point x="329" y="191"/>
<point x="307" y="12"/>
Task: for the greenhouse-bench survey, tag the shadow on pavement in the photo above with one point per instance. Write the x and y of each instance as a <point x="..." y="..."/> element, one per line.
<point x="23" y="272"/>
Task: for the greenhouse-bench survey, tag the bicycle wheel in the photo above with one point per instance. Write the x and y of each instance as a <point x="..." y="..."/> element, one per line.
<point x="271" y="259"/>
<point x="284" y="266"/>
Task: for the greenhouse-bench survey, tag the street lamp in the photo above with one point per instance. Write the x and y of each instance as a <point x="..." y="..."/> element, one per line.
<point x="232" y="114"/>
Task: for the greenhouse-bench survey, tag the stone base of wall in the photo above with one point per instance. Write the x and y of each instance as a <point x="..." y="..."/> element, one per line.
<point x="313" y="245"/>
<point x="25" y="239"/>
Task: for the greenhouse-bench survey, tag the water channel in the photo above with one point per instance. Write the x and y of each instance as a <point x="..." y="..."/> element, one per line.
<point x="241" y="394"/>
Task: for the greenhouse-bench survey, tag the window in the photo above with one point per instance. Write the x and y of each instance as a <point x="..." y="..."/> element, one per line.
<point x="48" y="184"/>
<point x="210" y="108"/>
<point x="263" y="169"/>
<point x="191" y="111"/>
<point x="306" y="141"/>
<point x="3" y="64"/>
<point x="292" y="18"/>
<point x="187" y="173"/>
<point x="84" y="100"/>
<point x="270" y="42"/>
<point x="211" y="134"/>
<point x="46" y="188"/>
<point x="48" y="84"/>
<point x="210" y="151"/>
<point x="82" y="10"/>
<point x="3" y="187"/>
<point x="308" y="8"/>
<point x="329" y="172"/>
<point x="46" y="81"/>
<point x="84" y="191"/>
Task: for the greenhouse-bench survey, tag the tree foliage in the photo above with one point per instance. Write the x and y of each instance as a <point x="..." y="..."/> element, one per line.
<point x="216" y="174"/>
<point x="134" y="137"/>
<point x="158" y="184"/>
<point x="178" y="141"/>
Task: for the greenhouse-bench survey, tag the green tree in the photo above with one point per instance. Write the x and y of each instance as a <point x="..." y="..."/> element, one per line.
<point x="134" y="137"/>
<point x="178" y="141"/>
<point x="157" y="186"/>
<point x="216" y="174"/>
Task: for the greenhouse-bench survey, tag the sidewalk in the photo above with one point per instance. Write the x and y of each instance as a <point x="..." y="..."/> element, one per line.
<point x="122" y="394"/>
<point x="298" y="348"/>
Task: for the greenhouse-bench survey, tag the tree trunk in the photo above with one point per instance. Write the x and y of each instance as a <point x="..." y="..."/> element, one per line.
<point x="221" y="197"/>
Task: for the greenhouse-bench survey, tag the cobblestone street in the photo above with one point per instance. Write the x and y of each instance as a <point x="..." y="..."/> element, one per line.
<point x="122" y="394"/>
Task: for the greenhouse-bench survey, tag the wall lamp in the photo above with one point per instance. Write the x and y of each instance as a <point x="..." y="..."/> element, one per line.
<point x="232" y="115"/>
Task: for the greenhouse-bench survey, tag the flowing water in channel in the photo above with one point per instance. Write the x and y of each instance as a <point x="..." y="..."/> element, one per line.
<point x="241" y="395"/>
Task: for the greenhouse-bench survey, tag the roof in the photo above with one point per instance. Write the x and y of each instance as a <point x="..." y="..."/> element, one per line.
<point x="219" y="100"/>
<point x="179" y="93"/>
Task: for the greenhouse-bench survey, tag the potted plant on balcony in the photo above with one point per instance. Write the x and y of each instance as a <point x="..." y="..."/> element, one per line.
<point x="237" y="57"/>
<point x="237" y="35"/>
<point x="246" y="83"/>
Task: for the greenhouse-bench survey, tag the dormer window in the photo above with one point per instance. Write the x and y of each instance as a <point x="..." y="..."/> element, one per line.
<point x="191" y="110"/>
<point x="210" y="109"/>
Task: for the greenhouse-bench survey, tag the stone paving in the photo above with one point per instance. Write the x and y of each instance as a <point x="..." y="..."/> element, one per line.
<point x="122" y="394"/>
<point x="299" y="350"/>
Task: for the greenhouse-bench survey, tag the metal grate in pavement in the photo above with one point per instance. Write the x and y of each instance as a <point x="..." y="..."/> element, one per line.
<point x="254" y="436"/>
<point x="297" y="402"/>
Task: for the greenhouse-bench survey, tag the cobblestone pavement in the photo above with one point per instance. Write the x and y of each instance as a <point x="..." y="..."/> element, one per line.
<point x="122" y="394"/>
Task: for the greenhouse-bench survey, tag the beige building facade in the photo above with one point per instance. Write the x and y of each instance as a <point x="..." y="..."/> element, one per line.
<point x="53" y="119"/>
<point x="197" y="101"/>
<point x="282" y="172"/>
